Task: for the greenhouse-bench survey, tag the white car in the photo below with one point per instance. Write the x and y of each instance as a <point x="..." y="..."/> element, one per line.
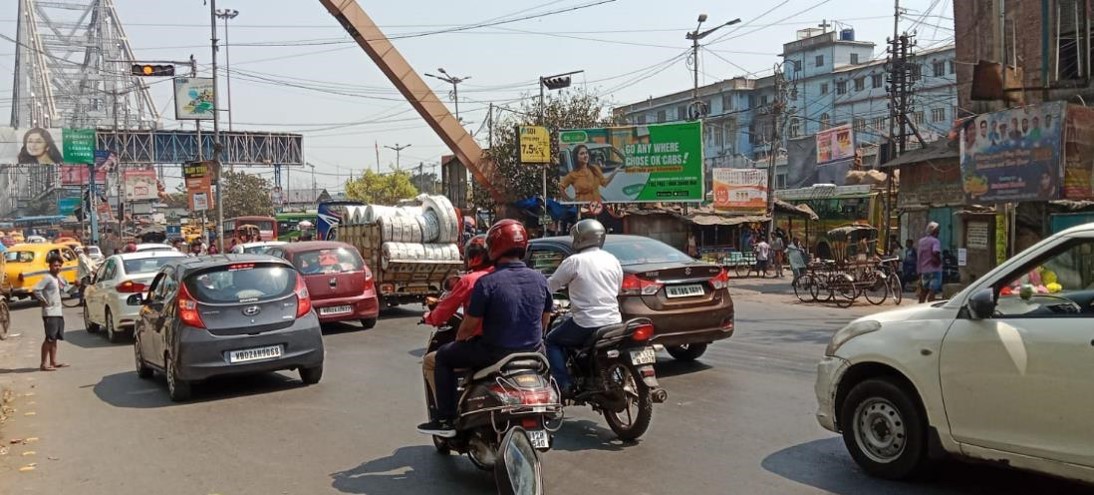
<point x="112" y="302"/>
<point x="255" y="247"/>
<point x="154" y="246"/>
<point x="94" y="253"/>
<point x="1003" y="372"/>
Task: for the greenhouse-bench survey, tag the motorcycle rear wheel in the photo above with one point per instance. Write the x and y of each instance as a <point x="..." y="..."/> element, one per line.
<point x="633" y="421"/>
<point x="441" y="445"/>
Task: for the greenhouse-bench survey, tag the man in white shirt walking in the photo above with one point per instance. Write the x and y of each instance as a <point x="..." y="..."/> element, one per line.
<point x="594" y="278"/>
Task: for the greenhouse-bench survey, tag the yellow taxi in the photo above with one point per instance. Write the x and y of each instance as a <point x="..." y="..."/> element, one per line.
<point x="68" y="241"/>
<point x="25" y="264"/>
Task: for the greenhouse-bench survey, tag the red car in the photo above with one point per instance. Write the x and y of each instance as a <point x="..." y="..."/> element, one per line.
<point x="340" y="284"/>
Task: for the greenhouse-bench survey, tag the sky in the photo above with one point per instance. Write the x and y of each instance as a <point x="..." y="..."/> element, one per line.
<point x="295" y="70"/>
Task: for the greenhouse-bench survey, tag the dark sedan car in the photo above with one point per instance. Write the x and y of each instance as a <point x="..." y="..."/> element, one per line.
<point x="687" y="300"/>
<point x="227" y="314"/>
<point x="340" y="284"/>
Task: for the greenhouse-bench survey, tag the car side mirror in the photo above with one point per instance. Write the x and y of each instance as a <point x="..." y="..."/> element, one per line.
<point x="982" y="304"/>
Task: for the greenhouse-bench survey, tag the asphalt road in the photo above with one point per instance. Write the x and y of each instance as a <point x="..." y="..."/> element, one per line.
<point x="739" y="421"/>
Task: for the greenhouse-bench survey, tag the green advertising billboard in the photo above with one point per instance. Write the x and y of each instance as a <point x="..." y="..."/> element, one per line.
<point x="79" y="145"/>
<point x="632" y="164"/>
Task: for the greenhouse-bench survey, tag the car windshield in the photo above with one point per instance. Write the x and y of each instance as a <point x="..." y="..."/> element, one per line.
<point x="638" y="251"/>
<point x="325" y="261"/>
<point x="19" y="256"/>
<point x="147" y="265"/>
<point x="241" y="282"/>
<point x="257" y="249"/>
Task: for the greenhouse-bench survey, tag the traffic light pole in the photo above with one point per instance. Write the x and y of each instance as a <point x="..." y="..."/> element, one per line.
<point x="92" y="218"/>
<point x="216" y="129"/>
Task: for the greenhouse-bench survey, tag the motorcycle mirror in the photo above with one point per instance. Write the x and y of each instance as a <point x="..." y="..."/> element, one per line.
<point x="518" y="470"/>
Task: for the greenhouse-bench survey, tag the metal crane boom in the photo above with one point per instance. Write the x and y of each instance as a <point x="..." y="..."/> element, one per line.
<point x="373" y="41"/>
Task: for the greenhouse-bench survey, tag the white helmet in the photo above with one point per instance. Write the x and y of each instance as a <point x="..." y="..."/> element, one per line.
<point x="586" y="234"/>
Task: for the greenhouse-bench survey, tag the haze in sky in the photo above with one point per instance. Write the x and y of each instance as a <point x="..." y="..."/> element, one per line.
<point x="294" y="69"/>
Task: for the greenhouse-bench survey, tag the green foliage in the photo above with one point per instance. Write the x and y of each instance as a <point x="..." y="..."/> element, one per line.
<point x="384" y="189"/>
<point x="561" y="110"/>
<point x="246" y="194"/>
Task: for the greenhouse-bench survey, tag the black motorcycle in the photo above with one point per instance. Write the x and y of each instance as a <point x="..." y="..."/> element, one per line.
<point x="613" y="372"/>
<point x="512" y="397"/>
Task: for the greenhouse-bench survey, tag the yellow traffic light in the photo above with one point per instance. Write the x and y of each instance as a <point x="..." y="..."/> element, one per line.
<point x="147" y="70"/>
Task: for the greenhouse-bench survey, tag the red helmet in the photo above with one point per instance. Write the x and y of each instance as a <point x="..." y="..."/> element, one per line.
<point x="131" y="247"/>
<point x="475" y="256"/>
<point x="505" y="236"/>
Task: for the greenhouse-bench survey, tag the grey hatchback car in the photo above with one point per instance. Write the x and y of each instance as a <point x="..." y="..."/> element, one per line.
<point x="227" y="314"/>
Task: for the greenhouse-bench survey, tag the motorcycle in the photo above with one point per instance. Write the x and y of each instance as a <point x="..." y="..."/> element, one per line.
<point x="505" y="411"/>
<point x="613" y="373"/>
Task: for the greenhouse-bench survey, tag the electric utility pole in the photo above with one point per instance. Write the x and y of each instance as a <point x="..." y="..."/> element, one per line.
<point x="696" y="111"/>
<point x="455" y="82"/>
<point x="778" y="107"/>
<point x="901" y="78"/>
<point x="217" y="175"/>
<point x="398" y="150"/>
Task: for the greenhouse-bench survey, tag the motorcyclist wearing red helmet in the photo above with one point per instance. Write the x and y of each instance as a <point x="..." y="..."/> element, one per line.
<point x="130" y="247"/>
<point x="512" y="305"/>
<point x="477" y="264"/>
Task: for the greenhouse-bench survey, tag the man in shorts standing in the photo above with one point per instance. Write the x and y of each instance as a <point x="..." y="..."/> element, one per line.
<point x="48" y="294"/>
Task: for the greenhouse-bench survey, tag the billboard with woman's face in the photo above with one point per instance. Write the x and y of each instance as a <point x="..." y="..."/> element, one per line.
<point x="34" y="146"/>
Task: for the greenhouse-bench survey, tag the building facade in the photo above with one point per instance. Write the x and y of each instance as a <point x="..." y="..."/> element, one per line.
<point x="833" y="80"/>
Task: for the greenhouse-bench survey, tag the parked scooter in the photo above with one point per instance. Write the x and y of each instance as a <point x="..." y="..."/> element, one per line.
<point x="514" y="397"/>
<point x="613" y="372"/>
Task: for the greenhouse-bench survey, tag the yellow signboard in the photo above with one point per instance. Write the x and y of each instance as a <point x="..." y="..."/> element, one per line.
<point x="535" y="144"/>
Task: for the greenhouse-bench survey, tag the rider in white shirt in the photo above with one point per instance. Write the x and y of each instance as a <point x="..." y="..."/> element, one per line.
<point x="594" y="278"/>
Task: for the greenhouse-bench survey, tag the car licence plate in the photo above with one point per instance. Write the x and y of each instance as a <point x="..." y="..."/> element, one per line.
<point x="334" y="310"/>
<point x="539" y="439"/>
<point x="644" y="356"/>
<point x="684" y="291"/>
<point x="256" y="354"/>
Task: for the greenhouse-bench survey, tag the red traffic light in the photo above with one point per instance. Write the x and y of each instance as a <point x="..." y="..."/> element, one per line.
<point x="153" y="70"/>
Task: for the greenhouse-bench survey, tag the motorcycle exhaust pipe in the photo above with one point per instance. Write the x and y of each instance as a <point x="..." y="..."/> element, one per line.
<point x="659" y="396"/>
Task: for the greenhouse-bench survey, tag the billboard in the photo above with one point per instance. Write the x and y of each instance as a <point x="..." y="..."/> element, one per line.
<point x="1078" y="181"/>
<point x="740" y="190"/>
<point x="78" y="146"/>
<point x="1013" y="155"/>
<point x="631" y="164"/>
<point x="67" y="206"/>
<point x="835" y="144"/>
<point x="194" y="98"/>
<point x="140" y="184"/>
<point x="34" y="146"/>
<point x="198" y="177"/>
<point x="534" y="142"/>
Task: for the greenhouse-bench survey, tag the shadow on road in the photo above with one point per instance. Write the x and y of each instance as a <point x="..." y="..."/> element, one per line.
<point x="826" y="465"/>
<point x="342" y="327"/>
<point x="418" y="353"/>
<point x="126" y="390"/>
<point x="673" y="367"/>
<point x="415" y="469"/>
<point x="80" y="338"/>
<point x="582" y="435"/>
<point x="5" y="371"/>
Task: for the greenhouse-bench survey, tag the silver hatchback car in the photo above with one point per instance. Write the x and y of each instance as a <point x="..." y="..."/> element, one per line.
<point x="228" y="314"/>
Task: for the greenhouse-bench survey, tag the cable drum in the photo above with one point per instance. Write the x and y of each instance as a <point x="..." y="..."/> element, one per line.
<point x="429" y="225"/>
<point x="401" y="229"/>
<point x="446" y="215"/>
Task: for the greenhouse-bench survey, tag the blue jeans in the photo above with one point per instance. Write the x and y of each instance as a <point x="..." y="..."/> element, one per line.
<point x="564" y="336"/>
<point x="469" y="354"/>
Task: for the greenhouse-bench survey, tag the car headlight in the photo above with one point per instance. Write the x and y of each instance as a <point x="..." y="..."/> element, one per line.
<point x="849" y="332"/>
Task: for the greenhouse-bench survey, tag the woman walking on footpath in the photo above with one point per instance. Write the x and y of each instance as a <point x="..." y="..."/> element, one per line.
<point x="48" y="294"/>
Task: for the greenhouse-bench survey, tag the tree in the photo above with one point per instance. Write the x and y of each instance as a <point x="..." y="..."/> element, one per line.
<point x="246" y="194"/>
<point x="563" y="110"/>
<point x="426" y="182"/>
<point x="384" y="189"/>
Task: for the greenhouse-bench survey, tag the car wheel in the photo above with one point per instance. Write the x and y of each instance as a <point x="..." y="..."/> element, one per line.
<point x="686" y="352"/>
<point x="143" y="371"/>
<point x="368" y="323"/>
<point x="88" y="325"/>
<point x="112" y="334"/>
<point x="177" y="388"/>
<point x="311" y="376"/>
<point x="884" y="430"/>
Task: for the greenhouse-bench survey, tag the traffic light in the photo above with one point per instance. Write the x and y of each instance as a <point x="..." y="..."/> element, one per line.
<point x="553" y="83"/>
<point x="153" y="70"/>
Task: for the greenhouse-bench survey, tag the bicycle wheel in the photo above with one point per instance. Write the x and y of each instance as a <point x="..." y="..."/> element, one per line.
<point x="877" y="290"/>
<point x="741" y="270"/>
<point x="803" y="288"/>
<point x="896" y="288"/>
<point x="843" y="290"/>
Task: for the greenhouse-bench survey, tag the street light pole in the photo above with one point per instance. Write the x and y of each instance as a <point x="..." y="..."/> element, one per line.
<point x="226" y="15"/>
<point x="216" y="127"/>
<point x="398" y="149"/>
<point x="695" y="36"/>
<point x="454" y="81"/>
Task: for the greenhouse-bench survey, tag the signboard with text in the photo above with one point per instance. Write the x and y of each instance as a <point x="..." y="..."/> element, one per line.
<point x="194" y="98"/>
<point x="535" y="144"/>
<point x="198" y="178"/>
<point x="740" y="190"/>
<point x="1013" y="155"/>
<point x="630" y="164"/>
<point x="1078" y="181"/>
<point x="79" y="175"/>
<point x="140" y="184"/>
<point x="79" y="145"/>
<point x="835" y="144"/>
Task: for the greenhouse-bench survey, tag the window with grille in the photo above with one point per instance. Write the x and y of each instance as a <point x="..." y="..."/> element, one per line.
<point x="953" y="67"/>
<point x="797" y="65"/>
<point x="854" y="59"/>
<point x="841" y="87"/>
<point x="876" y="80"/>
<point x="660" y="116"/>
<point x="640" y="119"/>
<point x="1072" y="55"/>
<point x="860" y="84"/>
<point x="938" y="115"/>
<point x="727" y="103"/>
<point x="918" y="117"/>
<point x="820" y="60"/>
<point x="879" y="123"/>
<point x="682" y="112"/>
<point x="939" y="69"/>
<point x="795" y="127"/>
<point x="824" y="88"/>
<point x="824" y="120"/>
<point x="859" y="124"/>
